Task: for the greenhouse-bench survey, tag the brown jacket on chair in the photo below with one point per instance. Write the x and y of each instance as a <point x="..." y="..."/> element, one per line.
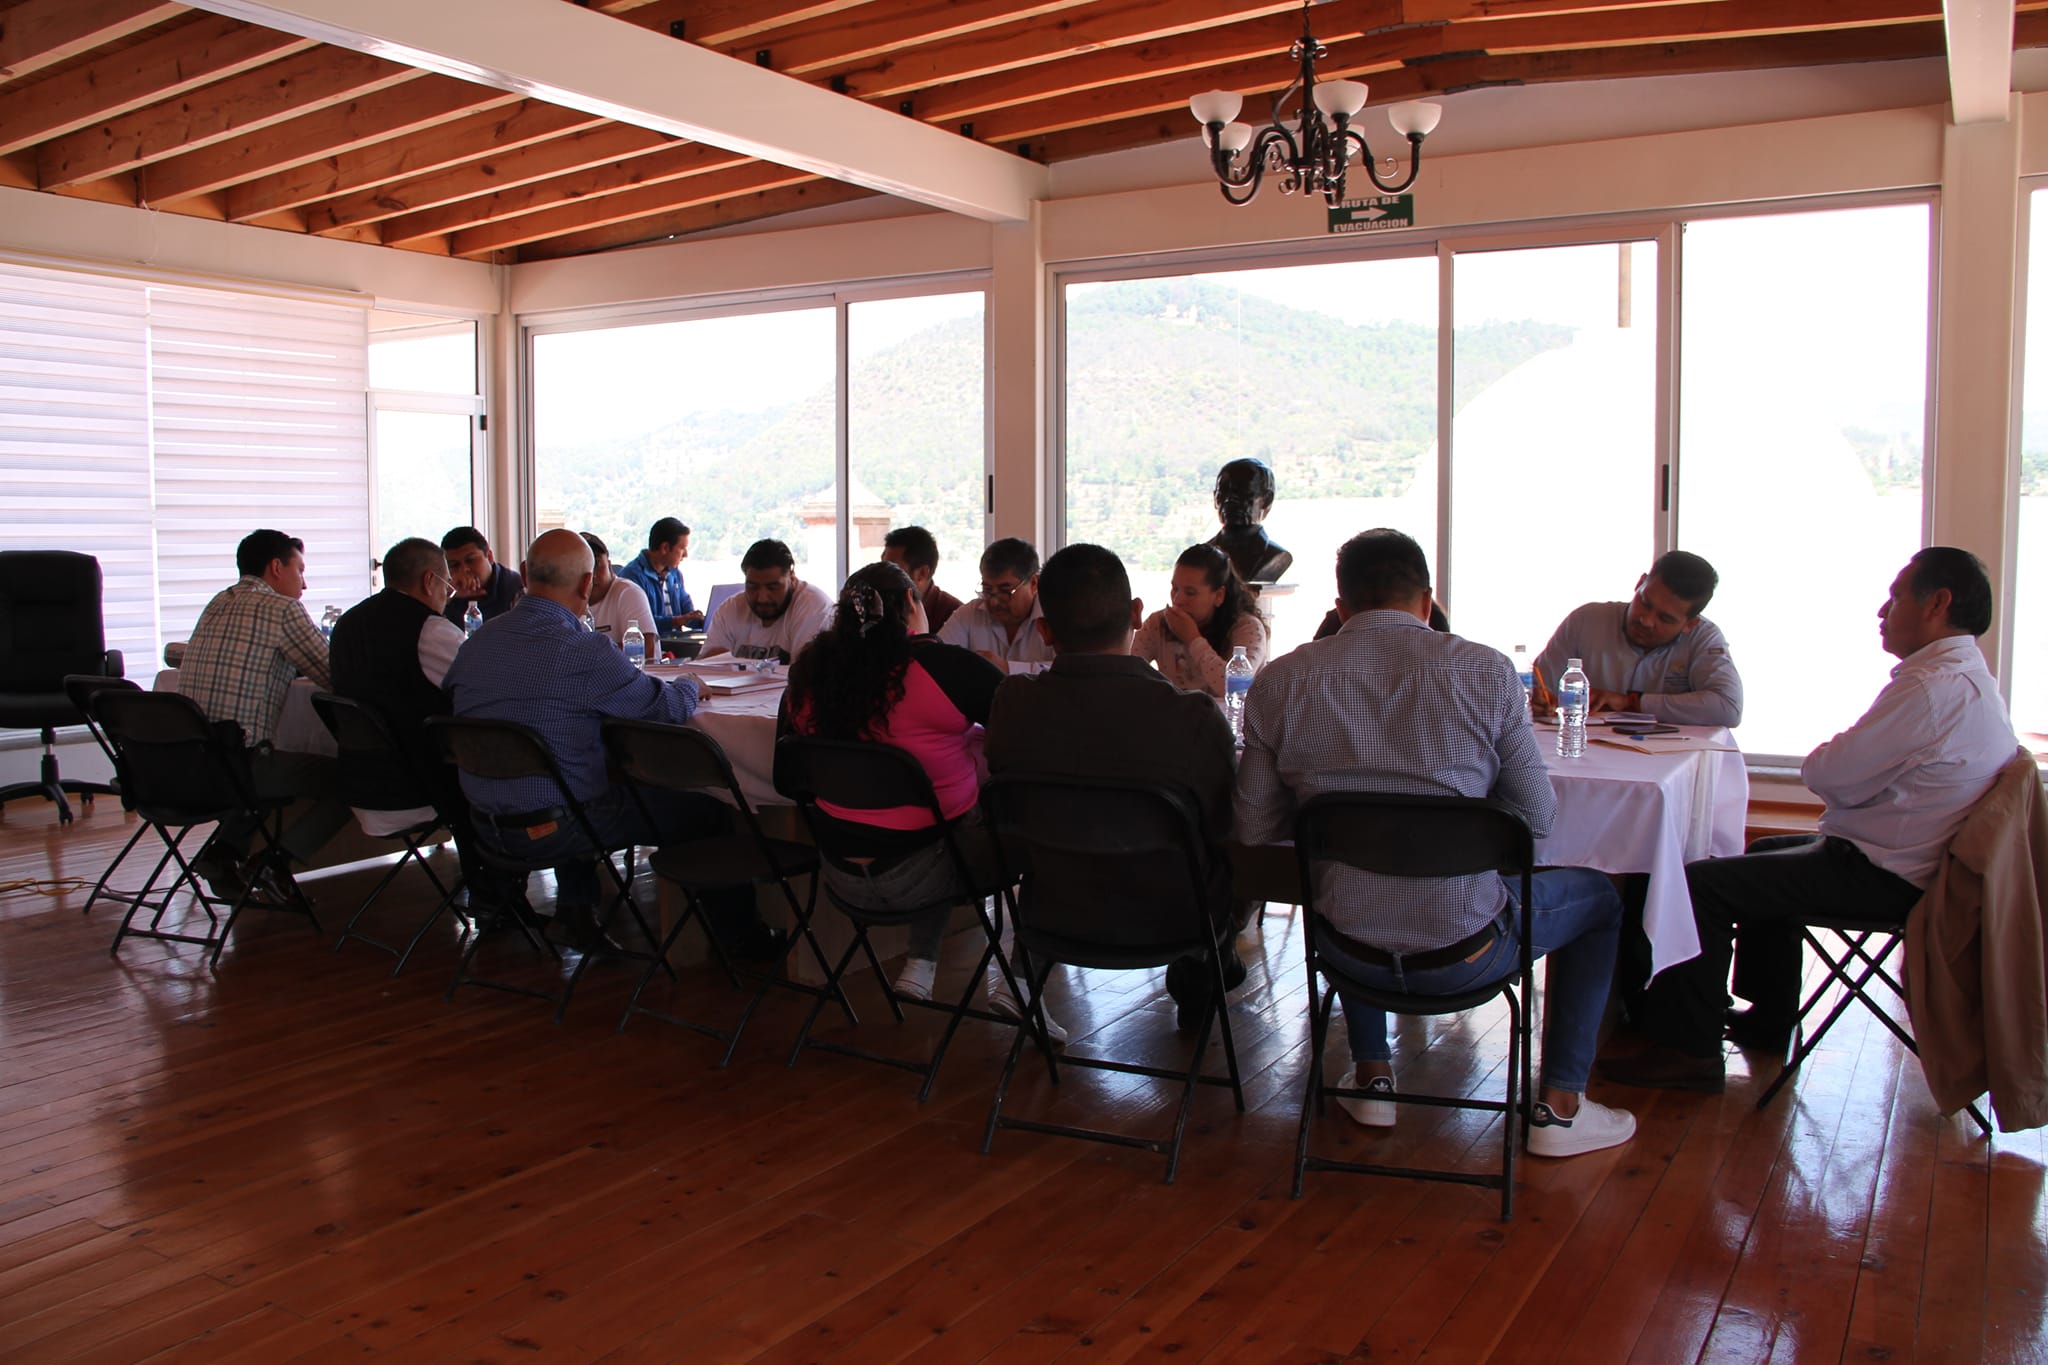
<point x="1977" y="957"/>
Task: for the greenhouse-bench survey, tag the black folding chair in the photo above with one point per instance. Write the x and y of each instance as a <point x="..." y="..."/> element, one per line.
<point x="651" y="755"/>
<point x="1853" y="968"/>
<point x="380" y="774"/>
<point x="502" y="750"/>
<point x="177" y="770"/>
<point x="1116" y="877"/>
<point x="857" y="775"/>
<point x="81" y="688"/>
<point x="1415" y="836"/>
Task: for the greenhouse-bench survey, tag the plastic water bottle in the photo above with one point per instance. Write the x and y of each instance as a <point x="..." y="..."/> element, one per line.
<point x="1525" y="669"/>
<point x="327" y="620"/>
<point x="1237" y="682"/>
<point x="1573" y="692"/>
<point x="635" y="642"/>
<point x="472" y="617"/>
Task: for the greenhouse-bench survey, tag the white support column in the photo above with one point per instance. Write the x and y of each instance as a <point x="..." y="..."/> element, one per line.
<point x="1975" y="302"/>
<point x="1018" y="361"/>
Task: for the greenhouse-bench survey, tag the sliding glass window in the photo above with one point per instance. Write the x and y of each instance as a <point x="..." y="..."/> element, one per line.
<point x="2027" y="657"/>
<point x="731" y="422"/>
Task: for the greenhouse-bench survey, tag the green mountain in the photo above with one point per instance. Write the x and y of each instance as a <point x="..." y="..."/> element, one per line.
<point x="1166" y="380"/>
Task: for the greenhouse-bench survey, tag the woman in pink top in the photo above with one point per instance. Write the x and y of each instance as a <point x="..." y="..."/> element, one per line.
<point x="874" y="674"/>
<point x="1209" y="612"/>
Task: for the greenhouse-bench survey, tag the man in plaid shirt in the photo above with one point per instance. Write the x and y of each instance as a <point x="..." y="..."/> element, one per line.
<point x="250" y="643"/>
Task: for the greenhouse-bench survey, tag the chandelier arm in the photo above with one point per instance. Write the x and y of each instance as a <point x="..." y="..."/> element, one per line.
<point x="1414" y="168"/>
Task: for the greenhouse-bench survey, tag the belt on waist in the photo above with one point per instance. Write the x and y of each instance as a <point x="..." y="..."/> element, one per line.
<point x="522" y="819"/>
<point x="1464" y="950"/>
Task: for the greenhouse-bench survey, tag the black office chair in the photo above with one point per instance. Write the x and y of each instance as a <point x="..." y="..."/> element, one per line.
<point x="1415" y="836"/>
<point x="654" y="756"/>
<point x="1116" y="877"/>
<point x="377" y="773"/>
<point x="861" y="776"/>
<point x="50" y="627"/>
<point x="502" y="750"/>
<point x="177" y="771"/>
<point x="81" y="688"/>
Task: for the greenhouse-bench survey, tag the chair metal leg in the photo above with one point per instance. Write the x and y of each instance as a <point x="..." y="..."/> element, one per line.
<point x="100" y="887"/>
<point x="1510" y="1135"/>
<point x="1320" y="1001"/>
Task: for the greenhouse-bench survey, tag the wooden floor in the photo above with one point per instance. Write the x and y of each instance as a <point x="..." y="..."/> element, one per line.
<point x="303" y="1159"/>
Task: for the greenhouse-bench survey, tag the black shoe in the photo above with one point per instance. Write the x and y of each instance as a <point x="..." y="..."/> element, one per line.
<point x="1666" y="1068"/>
<point x="223" y="878"/>
<point x="1190" y="984"/>
<point x="576" y="927"/>
<point x="1754" y="1031"/>
<point x="756" y="943"/>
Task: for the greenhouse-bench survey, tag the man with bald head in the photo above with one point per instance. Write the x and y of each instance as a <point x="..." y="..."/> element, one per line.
<point x="537" y="666"/>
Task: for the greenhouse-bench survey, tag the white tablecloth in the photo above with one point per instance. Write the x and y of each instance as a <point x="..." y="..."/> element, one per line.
<point x="1621" y="811"/>
<point x="298" y="728"/>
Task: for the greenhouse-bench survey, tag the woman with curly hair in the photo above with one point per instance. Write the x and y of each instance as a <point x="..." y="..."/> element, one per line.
<point x="1209" y="611"/>
<point x="874" y="674"/>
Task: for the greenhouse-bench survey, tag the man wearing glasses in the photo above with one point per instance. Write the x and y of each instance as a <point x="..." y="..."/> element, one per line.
<point x="390" y="652"/>
<point x="1654" y="653"/>
<point x="1001" y="623"/>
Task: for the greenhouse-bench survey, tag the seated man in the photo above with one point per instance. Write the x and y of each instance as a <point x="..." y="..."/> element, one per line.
<point x="537" y="666"/>
<point x="775" y="616"/>
<point x="1897" y="784"/>
<point x="1654" y="653"/>
<point x="1000" y="624"/>
<point x="252" y="640"/>
<point x="617" y="602"/>
<point x="478" y="575"/>
<point x="656" y="573"/>
<point x="390" y="652"/>
<point x="1099" y="711"/>
<point x="912" y="549"/>
<point x="1388" y="705"/>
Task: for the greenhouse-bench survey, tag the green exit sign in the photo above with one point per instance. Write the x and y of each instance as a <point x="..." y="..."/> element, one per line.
<point x="1375" y="213"/>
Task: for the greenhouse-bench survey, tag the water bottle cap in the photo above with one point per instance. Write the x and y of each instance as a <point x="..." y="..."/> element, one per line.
<point x="1574" y="663"/>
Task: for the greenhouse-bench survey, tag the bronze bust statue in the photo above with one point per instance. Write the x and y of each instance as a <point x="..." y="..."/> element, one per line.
<point x="1244" y="494"/>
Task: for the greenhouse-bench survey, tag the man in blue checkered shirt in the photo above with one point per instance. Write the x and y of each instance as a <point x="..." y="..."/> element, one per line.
<point x="1388" y="705"/>
<point x="537" y="666"/>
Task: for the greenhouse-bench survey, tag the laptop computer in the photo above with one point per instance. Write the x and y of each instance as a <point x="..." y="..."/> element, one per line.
<point x="719" y="592"/>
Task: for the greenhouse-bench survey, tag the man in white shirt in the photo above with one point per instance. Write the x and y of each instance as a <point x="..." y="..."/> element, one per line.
<point x="1897" y="784"/>
<point x="776" y="615"/>
<point x="617" y="602"/>
<point x="1001" y="623"/>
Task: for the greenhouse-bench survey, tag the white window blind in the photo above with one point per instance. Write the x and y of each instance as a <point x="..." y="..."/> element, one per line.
<point x="74" y="436"/>
<point x="260" y="418"/>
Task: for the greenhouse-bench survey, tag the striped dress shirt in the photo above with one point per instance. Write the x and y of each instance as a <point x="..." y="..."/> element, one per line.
<point x="1388" y="705"/>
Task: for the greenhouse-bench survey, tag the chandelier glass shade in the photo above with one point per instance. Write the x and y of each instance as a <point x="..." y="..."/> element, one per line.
<point x="1312" y="152"/>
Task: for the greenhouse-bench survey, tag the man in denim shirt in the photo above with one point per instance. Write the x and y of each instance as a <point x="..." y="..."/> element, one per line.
<point x="537" y="666"/>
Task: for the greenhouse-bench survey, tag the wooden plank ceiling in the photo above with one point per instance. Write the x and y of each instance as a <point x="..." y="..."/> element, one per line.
<point x="141" y="102"/>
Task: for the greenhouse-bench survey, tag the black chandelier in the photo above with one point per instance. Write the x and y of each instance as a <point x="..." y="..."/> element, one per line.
<point x="1314" y="151"/>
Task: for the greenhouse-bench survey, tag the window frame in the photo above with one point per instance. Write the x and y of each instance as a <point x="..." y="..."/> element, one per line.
<point x="707" y="307"/>
<point x="1665" y="226"/>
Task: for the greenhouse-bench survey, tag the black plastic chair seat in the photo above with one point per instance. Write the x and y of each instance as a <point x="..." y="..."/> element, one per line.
<point x="1397" y="1002"/>
<point x="732" y="860"/>
<point x="1095" y="955"/>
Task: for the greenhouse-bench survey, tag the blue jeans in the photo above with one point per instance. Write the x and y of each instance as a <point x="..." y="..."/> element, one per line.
<point x="1575" y="917"/>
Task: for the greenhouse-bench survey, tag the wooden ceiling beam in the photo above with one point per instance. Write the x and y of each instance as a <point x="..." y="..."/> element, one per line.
<point x="619" y="208"/>
<point x="1165" y="118"/>
<point x="39" y="34"/>
<point x="399" y="112"/>
<point x="739" y="208"/>
<point x="426" y="101"/>
<point x="505" y="127"/>
<point x="1065" y="38"/>
<point x="714" y="23"/>
<point x="608" y="145"/>
<point x="258" y="99"/>
<point x="908" y="27"/>
<point x="677" y="162"/>
<point x="1258" y="50"/>
<point x="181" y="58"/>
<point x="569" y="56"/>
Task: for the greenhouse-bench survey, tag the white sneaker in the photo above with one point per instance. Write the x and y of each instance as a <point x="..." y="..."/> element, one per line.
<point x="1001" y="1001"/>
<point x="1594" y="1127"/>
<point x="1370" y="1113"/>
<point x="914" y="981"/>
